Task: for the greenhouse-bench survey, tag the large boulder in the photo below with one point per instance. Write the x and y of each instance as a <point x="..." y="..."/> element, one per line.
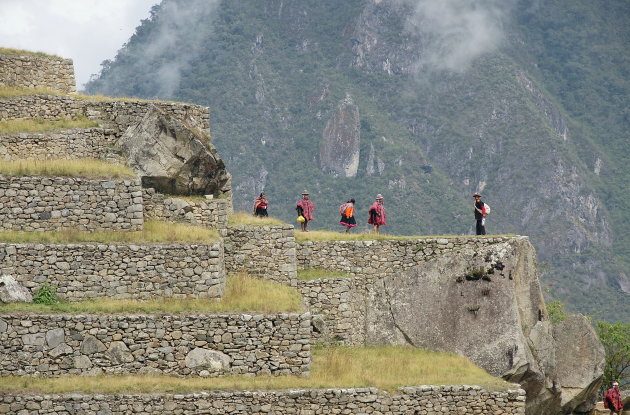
<point x="173" y="156"/>
<point x="12" y="291"/>
<point x="487" y="305"/>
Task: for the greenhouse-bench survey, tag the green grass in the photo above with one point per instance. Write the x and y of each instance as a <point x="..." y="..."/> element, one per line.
<point x="247" y="219"/>
<point x="153" y="232"/>
<point x="9" y="51"/>
<point x="242" y="294"/>
<point x="386" y="368"/>
<point x="37" y="125"/>
<point x="89" y="168"/>
<point x="317" y="273"/>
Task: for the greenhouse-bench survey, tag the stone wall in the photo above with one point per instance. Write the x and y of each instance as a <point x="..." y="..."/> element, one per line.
<point x="183" y="345"/>
<point x="95" y="143"/>
<point x="210" y="213"/>
<point x="112" y="114"/>
<point x="338" y="308"/>
<point x="34" y="71"/>
<point x="90" y="271"/>
<point x="265" y="251"/>
<point x="417" y="400"/>
<point x="382" y="257"/>
<point x="48" y="203"/>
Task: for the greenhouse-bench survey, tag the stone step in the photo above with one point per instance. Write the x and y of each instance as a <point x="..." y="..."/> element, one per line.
<point x="120" y="271"/>
<point x="50" y="345"/>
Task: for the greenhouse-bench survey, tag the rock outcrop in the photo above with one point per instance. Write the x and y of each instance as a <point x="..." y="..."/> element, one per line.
<point x="11" y="291"/>
<point x="339" y="148"/>
<point x="173" y="156"/>
<point x="486" y="304"/>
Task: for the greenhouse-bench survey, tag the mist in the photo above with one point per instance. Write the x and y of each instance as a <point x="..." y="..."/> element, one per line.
<point x="456" y="32"/>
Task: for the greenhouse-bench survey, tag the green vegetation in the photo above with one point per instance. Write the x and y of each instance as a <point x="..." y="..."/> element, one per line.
<point x="66" y="168"/>
<point x="242" y="294"/>
<point x="556" y="311"/>
<point x="386" y="368"/>
<point x="616" y="340"/>
<point x="46" y="295"/>
<point x="9" y="51"/>
<point x="238" y="219"/>
<point x="317" y="273"/>
<point x="38" y="125"/>
<point x="153" y="232"/>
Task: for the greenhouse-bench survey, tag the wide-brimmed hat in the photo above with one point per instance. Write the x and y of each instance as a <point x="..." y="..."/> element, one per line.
<point x="305" y="192"/>
<point x="379" y="196"/>
<point x="476" y="195"/>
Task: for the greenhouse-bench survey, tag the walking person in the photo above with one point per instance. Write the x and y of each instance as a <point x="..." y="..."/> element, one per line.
<point x="347" y="215"/>
<point x="612" y="399"/>
<point x="305" y="208"/>
<point x="479" y="215"/>
<point x="377" y="214"/>
<point x="260" y="206"/>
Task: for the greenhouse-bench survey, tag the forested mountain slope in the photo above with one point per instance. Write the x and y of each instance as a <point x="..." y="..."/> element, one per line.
<point x="424" y="101"/>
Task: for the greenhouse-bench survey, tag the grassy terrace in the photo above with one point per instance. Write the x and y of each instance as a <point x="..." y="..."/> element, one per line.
<point x="242" y="294"/>
<point x="10" y="92"/>
<point x="89" y="168"/>
<point x="153" y="232"/>
<point x="342" y="236"/>
<point x="383" y="367"/>
<point x="241" y="218"/>
<point x="9" y="51"/>
<point x="36" y="125"/>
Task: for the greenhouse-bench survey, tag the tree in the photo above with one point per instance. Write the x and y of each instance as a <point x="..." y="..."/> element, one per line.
<point x="616" y="340"/>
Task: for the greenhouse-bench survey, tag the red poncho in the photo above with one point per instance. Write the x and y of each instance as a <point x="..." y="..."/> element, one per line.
<point x="307" y="208"/>
<point x="379" y="215"/>
<point x="612" y="400"/>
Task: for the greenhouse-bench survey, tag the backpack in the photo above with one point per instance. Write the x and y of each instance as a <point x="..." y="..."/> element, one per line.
<point x="342" y="208"/>
<point x="485" y="210"/>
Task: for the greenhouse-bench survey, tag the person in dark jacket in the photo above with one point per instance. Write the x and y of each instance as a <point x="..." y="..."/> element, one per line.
<point x="479" y="216"/>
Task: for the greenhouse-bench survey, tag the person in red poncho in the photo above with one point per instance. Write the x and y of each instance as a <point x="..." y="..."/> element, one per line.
<point x="612" y="399"/>
<point x="260" y="205"/>
<point x="305" y="208"/>
<point x="377" y="213"/>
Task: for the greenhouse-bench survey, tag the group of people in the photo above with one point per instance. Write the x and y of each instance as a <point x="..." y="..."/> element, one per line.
<point x="306" y="209"/>
<point x="376" y="213"/>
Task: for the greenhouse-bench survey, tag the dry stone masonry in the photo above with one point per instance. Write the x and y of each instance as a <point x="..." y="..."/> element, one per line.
<point x="95" y="143"/>
<point x="183" y="345"/>
<point x="381" y="257"/>
<point x="37" y="71"/>
<point x="210" y="213"/>
<point x="50" y="203"/>
<point x="92" y="271"/>
<point x="266" y="251"/>
<point x="417" y="400"/>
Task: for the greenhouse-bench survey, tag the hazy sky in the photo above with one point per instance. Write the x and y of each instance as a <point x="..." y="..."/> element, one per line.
<point x="87" y="31"/>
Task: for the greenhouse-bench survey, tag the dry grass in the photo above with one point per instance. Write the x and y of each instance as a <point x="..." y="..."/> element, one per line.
<point x="242" y="294"/>
<point x="248" y="219"/>
<point x="89" y="168"/>
<point x="9" y="51"/>
<point x="153" y="232"/>
<point x="317" y="273"/>
<point x="386" y="368"/>
<point x="38" y="125"/>
<point x="11" y="92"/>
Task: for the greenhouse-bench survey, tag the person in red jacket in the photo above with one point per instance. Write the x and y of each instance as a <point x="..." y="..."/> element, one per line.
<point x="612" y="399"/>
<point x="377" y="214"/>
<point x="305" y="208"/>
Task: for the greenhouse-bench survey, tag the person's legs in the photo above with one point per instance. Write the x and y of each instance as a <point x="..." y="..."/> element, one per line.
<point x="480" y="230"/>
<point x="305" y="225"/>
<point x="348" y="228"/>
<point x="375" y="228"/>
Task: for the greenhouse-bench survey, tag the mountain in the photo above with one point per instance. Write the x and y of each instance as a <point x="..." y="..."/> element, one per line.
<point x="424" y="101"/>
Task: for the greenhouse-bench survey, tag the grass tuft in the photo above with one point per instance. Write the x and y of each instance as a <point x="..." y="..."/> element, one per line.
<point x="10" y="51"/>
<point x="247" y="219"/>
<point x="243" y="293"/>
<point x="153" y="232"/>
<point x="386" y="368"/>
<point x="38" y="125"/>
<point x="89" y="168"/>
<point x="317" y="273"/>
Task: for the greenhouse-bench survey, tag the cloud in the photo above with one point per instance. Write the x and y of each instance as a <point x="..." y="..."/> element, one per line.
<point x="456" y="32"/>
<point x="87" y="31"/>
